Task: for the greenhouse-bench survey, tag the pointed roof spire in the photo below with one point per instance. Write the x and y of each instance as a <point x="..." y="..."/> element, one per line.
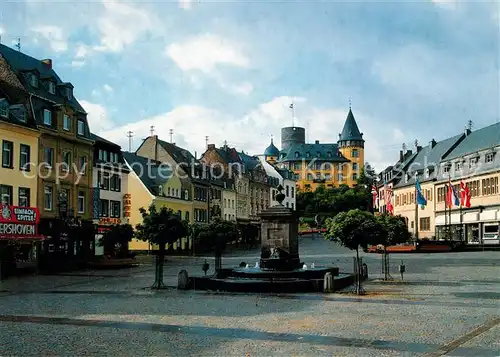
<point x="350" y="130"/>
<point x="272" y="150"/>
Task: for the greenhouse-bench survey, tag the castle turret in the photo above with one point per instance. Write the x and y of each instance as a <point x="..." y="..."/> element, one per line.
<point x="351" y="145"/>
<point x="271" y="153"/>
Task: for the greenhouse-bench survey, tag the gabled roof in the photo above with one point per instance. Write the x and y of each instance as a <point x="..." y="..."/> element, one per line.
<point x="20" y="62"/>
<point x="179" y="154"/>
<point x="478" y="140"/>
<point x="152" y="173"/>
<point x="229" y="155"/>
<point x="98" y="138"/>
<point x="318" y="151"/>
<point x="428" y="157"/>
<point x="350" y="130"/>
<point x="250" y="162"/>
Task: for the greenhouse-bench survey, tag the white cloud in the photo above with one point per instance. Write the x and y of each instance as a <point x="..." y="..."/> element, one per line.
<point x="447" y="4"/>
<point x="108" y="88"/>
<point x="205" y="53"/>
<point x="54" y="35"/>
<point x="97" y="117"/>
<point x="81" y="50"/>
<point x="121" y="25"/>
<point x="77" y="63"/>
<point x="185" y="4"/>
<point x="251" y="132"/>
<point x="244" y="88"/>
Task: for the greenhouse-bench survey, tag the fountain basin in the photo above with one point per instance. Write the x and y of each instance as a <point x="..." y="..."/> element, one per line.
<point x="283" y="284"/>
<point x="259" y="273"/>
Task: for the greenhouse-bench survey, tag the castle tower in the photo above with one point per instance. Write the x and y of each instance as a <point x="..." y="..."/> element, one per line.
<point x="292" y="135"/>
<point x="271" y="153"/>
<point x="352" y="146"/>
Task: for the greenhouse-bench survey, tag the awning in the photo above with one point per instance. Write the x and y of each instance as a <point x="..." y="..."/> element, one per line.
<point x="30" y="237"/>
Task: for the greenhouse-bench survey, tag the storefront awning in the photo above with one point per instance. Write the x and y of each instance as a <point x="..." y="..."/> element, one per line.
<point x="23" y="238"/>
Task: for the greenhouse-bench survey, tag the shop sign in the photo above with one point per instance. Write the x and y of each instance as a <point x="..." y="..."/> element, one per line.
<point x="127" y="205"/>
<point x="18" y="222"/>
<point x="15" y="214"/>
<point x="109" y="221"/>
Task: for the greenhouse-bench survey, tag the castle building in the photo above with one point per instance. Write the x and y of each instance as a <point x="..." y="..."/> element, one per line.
<point x="320" y="164"/>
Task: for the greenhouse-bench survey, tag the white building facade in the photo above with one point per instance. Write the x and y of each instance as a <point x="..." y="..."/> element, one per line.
<point x="286" y="179"/>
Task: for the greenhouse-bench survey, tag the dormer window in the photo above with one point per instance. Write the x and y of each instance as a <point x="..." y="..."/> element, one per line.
<point x="33" y="80"/>
<point x="19" y="112"/>
<point x="407" y="177"/>
<point x="446" y="168"/>
<point x="329" y="154"/>
<point x="81" y="127"/>
<point x="318" y="154"/>
<point x="4" y="108"/>
<point x="427" y="173"/>
<point x="308" y="154"/>
<point x="458" y="166"/>
<point x="52" y="87"/>
<point x="297" y="154"/>
<point x="473" y="161"/>
<point x="69" y="93"/>
<point x="489" y="157"/>
<point x="47" y="117"/>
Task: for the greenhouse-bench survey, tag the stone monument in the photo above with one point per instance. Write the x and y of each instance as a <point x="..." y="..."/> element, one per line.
<point x="279" y="234"/>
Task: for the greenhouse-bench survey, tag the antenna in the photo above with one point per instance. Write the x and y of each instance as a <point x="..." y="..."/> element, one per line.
<point x="350" y="103"/>
<point x="470" y="125"/>
<point x="206" y="141"/>
<point x="416" y="142"/>
<point x="292" y="107"/>
<point x="18" y="44"/>
<point x="152" y="130"/>
<point x="171" y="132"/>
<point x="272" y="137"/>
<point x="404" y="147"/>
<point x="130" y="134"/>
<point x="225" y="142"/>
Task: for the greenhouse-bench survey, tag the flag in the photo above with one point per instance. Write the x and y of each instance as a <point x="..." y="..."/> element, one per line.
<point x="419" y="197"/>
<point x="462" y="193"/>
<point x="375" y="195"/>
<point x="466" y="195"/>
<point x="291" y="106"/>
<point x="388" y="199"/>
<point x="451" y="196"/>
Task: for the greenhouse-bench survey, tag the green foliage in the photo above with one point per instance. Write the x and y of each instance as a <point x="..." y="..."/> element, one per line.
<point x="395" y="230"/>
<point x="215" y="235"/>
<point x="366" y="176"/>
<point x="161" y="226"/>
<point x="328" y="202"/>
<point x="115" y="240"/>
<point x="354" y="229"/>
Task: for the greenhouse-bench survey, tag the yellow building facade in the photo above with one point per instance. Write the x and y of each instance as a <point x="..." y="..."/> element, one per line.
<point x="159" y="187"/>
<point x="18" y="185"/>
<point x="321" y="164"/>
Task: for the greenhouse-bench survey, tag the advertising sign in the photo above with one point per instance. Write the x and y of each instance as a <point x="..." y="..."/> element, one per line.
<point x="18" y="222"/>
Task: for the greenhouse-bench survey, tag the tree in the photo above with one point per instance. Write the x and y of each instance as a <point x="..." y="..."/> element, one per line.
<point x="115" y="240"/>
<point x="160" y="227"/>
<point x="395" y="231"/>
<point x="354" y="229"/>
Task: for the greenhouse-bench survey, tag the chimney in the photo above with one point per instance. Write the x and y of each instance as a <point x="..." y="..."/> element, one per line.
<point x="155" y="138"/>
<point x="211" y="147"/>
<point x="432" y="144"/>
<point x="467" y="131"/>
<point x="419" y="148"/>
<point x="47" y="62"/>
<point x="316" y="142"/>
<point x="401" y="156"/>
<point x="408" y="154"/>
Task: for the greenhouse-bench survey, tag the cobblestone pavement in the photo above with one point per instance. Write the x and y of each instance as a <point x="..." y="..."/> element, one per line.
<point x="448" y="304"/>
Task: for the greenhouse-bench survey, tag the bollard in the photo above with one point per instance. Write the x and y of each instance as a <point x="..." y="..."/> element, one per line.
<point x="365" y="271"/>
<point x="328" y="283"/>
<point x="402" y="269"/>
<point x="183" y="280"/>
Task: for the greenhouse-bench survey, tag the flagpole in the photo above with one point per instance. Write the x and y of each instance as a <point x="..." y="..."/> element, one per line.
<point x="416" y="211"/>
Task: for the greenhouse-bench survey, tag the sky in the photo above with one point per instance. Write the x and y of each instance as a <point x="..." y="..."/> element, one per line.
<point x="229" y="70"/>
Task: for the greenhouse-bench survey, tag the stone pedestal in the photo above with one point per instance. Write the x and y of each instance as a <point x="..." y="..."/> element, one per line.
<point x="279" y="236"/>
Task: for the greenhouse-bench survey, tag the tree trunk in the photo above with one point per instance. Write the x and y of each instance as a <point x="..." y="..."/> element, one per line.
<point x="358" y="275"/>
<point x="160" y="259"/>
